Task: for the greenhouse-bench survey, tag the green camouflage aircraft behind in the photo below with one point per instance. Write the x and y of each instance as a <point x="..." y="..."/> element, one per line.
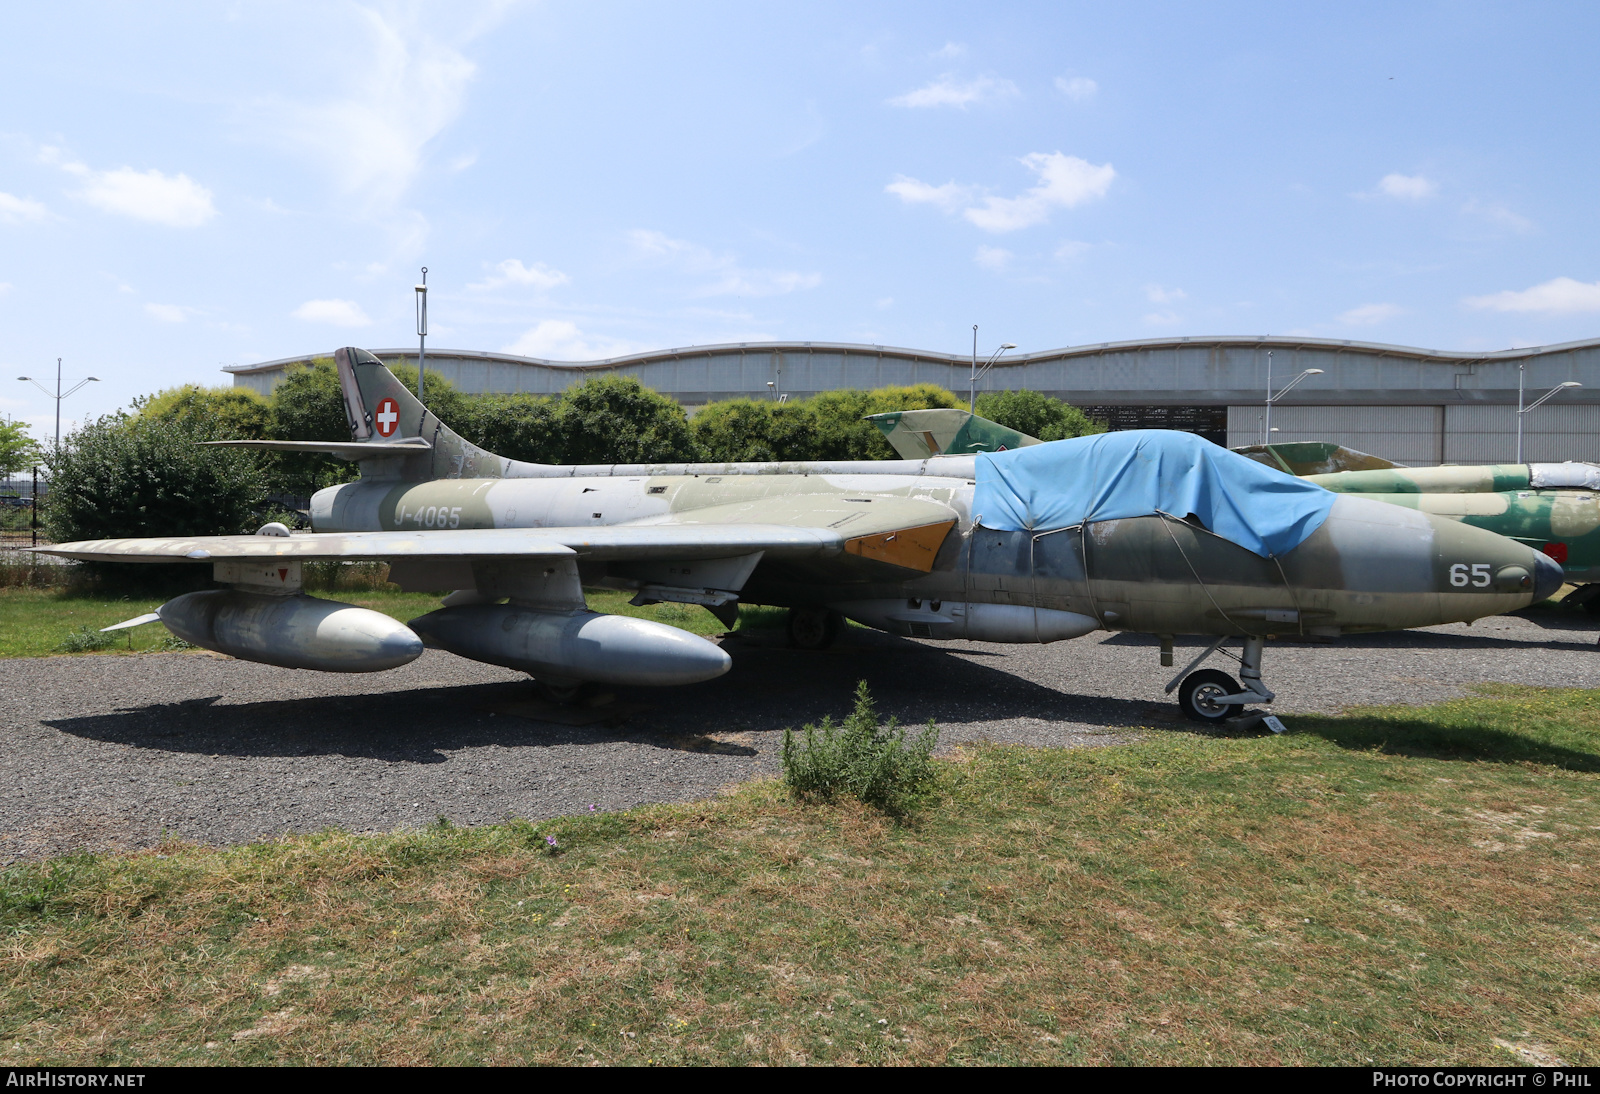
<point x="1551" y="507"/>
<point x="1146" y="531"/>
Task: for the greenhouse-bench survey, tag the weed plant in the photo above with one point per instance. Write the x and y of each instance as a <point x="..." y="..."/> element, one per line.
<point x="84" y="640"/>
<point x="873" y="762"/>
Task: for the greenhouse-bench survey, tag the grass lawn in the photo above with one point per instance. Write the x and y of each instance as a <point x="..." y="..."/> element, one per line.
<point x="35" y="622"/>
<point x="1406" y="885"/>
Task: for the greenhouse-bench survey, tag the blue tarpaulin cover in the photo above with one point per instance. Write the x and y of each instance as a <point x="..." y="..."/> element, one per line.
<point x="1139" y="472"/>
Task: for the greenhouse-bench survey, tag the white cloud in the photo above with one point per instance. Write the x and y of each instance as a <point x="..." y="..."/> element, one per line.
<point x="1159" y="295"/>
<point x="559" y="339"/>
<point x="1064" y="181"/>
<point x="513" y="272"/>
<point x="5" y="287"/>
<point x="15" y="210"/>
<point x="950" y="49"/>
<point x="1407" y="187"/>
<point x="168" y="313"/>
<point x="946" y="91"/>
<point x="338" y="313"/>
<point x="728" y="277"/>
<point x="1559" y="296"/>
<point x="1163" y="319"/>
<point x="464" y="161"/>
<point x="1078" y="88"/>
<point x="885" y="302"/>
<point x="993" y="258"/>
<point x="1368" y="314"/>
<point x="398" y="93"/>
<point x="948" y="197"/>
<point x="1070" y="249"/>
<point x="174" y="200"/>
<point x="1498" y="216"/>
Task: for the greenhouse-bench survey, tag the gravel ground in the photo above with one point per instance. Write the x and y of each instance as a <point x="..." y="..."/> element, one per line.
<point x="103" y="752"/>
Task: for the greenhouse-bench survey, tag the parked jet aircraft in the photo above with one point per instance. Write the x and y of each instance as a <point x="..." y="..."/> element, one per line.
<point x="1148" y="531"/>
<point x="1551" y="507"/>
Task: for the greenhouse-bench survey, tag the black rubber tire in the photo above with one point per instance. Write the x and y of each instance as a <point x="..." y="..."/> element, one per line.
<point x="1198" y="688"/>
<point x="812" y="628"/>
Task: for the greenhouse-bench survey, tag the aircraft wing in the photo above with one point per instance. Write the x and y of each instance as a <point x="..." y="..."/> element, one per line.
<point x="903" y="532"/>
<point x="598" y="543"/>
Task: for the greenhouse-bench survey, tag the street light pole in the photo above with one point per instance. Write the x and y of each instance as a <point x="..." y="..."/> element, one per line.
<point x="1524" y="410"/>
<point x="972" y="380"/>
<point x="422" y="331"/>
<point x="1274" y="396"/>
<point x="58" y="394"/>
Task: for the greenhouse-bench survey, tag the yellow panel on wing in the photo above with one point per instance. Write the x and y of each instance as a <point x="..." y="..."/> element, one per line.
<point x="911" y="548"/>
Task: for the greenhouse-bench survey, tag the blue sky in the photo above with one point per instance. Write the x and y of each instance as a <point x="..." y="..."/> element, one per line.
<point x="184" y="186"/>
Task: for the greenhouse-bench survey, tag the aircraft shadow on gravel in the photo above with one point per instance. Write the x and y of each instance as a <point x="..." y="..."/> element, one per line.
<point x="1560" y="639"/>
<point x="770" y="688"/>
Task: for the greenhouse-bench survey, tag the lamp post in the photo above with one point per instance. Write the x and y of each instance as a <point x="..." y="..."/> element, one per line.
<point x="422" y="331"/>
<point x="972" y="378"/>
<point x="58" y="394"/>
<point x="1274" y="396"/>
<point x="1522" y="410"/>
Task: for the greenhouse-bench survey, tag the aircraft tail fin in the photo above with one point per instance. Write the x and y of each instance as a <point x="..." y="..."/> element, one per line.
<point x="382" y="411"/>
<point x="919" y="434"/>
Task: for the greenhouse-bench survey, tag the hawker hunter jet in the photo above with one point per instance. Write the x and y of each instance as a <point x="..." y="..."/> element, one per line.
<point x="1148" y="531"/>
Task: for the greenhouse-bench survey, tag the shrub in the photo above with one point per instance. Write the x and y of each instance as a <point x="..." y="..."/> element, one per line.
<point x="875" y="763"/>
<point x="120" y="477"/>
<point x="83" y="640"/>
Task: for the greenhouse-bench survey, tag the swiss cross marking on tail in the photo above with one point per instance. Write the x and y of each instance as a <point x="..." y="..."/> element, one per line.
<point x="388" y="417"/>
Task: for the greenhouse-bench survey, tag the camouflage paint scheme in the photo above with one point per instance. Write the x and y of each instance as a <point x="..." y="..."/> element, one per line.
<point x="890" y="544"/>
<point x="1553" y="508"/>
<point x="919" y="434"/>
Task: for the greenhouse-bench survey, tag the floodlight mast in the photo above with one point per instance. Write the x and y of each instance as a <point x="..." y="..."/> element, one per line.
<point x="422" y="331"/>
<point x="1523" y="410"/>
<point x="972" y="378"/>
<point x="58" y="394"/>
<point x="1274" y="396"/>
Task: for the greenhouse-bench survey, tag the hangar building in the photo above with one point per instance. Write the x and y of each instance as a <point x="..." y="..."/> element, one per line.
<point x="1414" y="406"/>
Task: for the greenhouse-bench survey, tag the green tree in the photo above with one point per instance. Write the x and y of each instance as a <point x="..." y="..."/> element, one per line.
<point x="1037" y="415"/>
<point x="754" y="431"/>
<point x="616" y="419"/>
<point x="18" y="450"/>
<point x="841" y="434"/>
<point x="237" y="412"/>
<point x="124" y="477"/>
<point x="519" y="427"/>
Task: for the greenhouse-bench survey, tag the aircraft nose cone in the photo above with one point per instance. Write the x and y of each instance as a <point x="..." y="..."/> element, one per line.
<point x="1548" y="576"/>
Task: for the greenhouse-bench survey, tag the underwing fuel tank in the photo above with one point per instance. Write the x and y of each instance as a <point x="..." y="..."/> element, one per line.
<point x="296" y="632"/>
<point x="569" y="646"/>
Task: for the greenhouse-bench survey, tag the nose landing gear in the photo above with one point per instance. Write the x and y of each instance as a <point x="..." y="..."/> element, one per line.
<point x="1210" y="696"/>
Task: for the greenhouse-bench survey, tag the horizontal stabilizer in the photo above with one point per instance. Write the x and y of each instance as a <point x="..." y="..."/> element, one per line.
<point x="344" y="450"/>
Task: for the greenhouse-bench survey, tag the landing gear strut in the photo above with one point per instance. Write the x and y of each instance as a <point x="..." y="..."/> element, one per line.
<point x="1211" y="696"/>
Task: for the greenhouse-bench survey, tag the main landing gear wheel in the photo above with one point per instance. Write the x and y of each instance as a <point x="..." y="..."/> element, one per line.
<point x="1199" y="692"/>
<point x="812" y="628"/>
